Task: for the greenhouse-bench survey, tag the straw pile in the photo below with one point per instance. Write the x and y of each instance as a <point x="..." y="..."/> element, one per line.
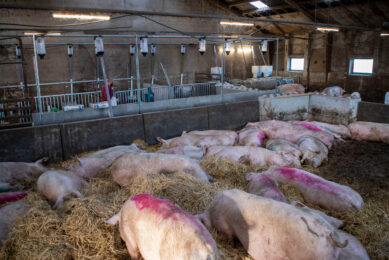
<point x="77" y="230"/>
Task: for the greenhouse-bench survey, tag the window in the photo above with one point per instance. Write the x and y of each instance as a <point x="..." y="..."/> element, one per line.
<point x="361" y="66"/>
<point x="259" y="5"/>
<point x="296" y="64"/>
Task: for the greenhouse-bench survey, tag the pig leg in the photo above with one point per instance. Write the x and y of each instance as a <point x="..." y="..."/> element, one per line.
<point x="77" y="194"/>
<point x="58" y="203"/>
<point x="131" y="245"/>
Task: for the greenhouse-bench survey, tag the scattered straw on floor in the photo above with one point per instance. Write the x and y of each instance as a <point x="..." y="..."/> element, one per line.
<point x="77" y="230"/>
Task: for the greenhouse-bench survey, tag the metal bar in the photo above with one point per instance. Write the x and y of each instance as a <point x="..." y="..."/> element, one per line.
<point x="276" y="64"/>
<point x="137" y="74"/>
<point x="23" y="67"/>
<point x="36" y="70"/>
<point x="71" y="76"/>
<point x="222" y="76"/>
<point x="106" y="86"/>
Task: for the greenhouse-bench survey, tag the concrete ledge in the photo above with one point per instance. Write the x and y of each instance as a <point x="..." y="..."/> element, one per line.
<point x="171" y="123"/>
<point x="30" y="144"/>
<point x="232" y="116"/>
<point x="94" y="134"/>
<point x="373" y="112"/>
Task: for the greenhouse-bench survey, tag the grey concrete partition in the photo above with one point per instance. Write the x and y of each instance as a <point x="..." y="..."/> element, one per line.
<point x="171" y="123"/>
<point x="233" y="115"/>
<point x="373" y="112"/>
<point x="90" y="135"/>
<point x="31" y="143"/>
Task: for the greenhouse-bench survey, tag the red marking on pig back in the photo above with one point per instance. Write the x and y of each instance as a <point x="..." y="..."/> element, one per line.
<point x="262" y="178"/>
<point x="261" y="137"/>
<point x="308" y="126"/>
<point x="9" y="197"/>
<point x="166" y="209"/>
<point x="310" y="181"/>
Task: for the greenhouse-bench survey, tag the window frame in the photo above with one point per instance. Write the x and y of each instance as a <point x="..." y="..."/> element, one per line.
<point x="290" y="63"/>
<point x="351" y="67"/>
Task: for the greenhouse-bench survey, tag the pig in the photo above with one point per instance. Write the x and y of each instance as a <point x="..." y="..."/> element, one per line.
<point x="282" y="145"/>
<point x="252" y="155"/>
<point x="10" y="197"/>
<point x="57" y="185"/>
<point x="292" y="88"/>
<point x="334" y="91"/>
<point x="316" y="190"/>
<point x="199" y="140"/>
<point x="131" y="165"/>
<point x="316" y="127"/>
<point x="270" y="229"/>
<point x="263" y="185"/>
<point x="340" y="130"/>
<point x="292" y="132"/>
<point x="157" y="229"/>
<point x="9" y="214"/>
<point x="336" y="223"/>
<point x="314" y="151"/>
<point x="369" y="131"/>
<point x="187" y="150"/>
<point x="91" y="164"/>
<point x="13" y="172"/>
<point x="251" y="136"/>
<point x="229" y="133"/>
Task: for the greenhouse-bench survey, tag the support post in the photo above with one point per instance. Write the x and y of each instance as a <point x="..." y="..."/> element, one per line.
<point x="222" y="76"/>
<point x="71" y="78"/>
<point x="137" y="74"/>
<point x="110" y="112"/>
<point x="276" y="61"/>
<point x="38" y="88"/>
<point x="24" y="70"/>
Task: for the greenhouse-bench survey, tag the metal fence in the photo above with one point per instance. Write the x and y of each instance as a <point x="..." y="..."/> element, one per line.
<point x="15" y="112"/>
<point x="53" y="102"/>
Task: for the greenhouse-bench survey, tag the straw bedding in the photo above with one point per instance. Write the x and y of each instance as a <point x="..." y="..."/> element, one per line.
<point x="77" y="230"/>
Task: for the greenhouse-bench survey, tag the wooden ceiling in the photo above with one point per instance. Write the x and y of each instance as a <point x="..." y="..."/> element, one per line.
<point x="373" y="14"/>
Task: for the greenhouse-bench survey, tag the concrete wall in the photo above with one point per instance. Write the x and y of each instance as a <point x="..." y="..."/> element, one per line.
<point x="373" y="112"/>
<point x="62" y="141"/>
<point x="335" y="110"/>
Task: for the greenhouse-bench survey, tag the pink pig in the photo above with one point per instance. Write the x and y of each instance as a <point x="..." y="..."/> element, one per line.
<point x="158" y="229"/>
<point x="263" y="185"/>
<point x="369" y="131"/>
<point x="251" y="136"/>
<point x="317" y="190"/>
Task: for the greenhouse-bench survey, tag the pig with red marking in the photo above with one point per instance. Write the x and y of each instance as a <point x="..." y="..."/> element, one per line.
<point x="253" y="155"/>
<point x="270" y="229"/>
<point x="157" y="229"/>
<point x="263" y="185"/>
<point x="317" y="190"/>
<point x="14" y="172"/>
<point x="131" y="165"/>
<point x="57" y="185"/>
<point x="251" y="136"/>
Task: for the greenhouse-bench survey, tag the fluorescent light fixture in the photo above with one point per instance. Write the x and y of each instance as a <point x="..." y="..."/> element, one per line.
<point x="325" y="29"/>
<point x="259" y="4"/>
<point x="384" y="34"/>
<point x="236" y="23"/>
<point x="40" y="33"/>
<point x="81" y="16"/>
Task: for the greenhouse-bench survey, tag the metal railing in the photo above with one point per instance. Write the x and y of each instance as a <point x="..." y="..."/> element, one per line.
<point x="128" y="96"/>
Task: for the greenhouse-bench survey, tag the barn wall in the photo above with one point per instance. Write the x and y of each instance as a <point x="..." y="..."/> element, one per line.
<point x="55" y="66"/>
<point x="62" y="141"/>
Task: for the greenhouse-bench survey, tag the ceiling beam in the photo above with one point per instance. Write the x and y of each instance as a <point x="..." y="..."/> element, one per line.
<point x="222" y="5"/>
<point x="351" y="14"/>
<point x="231" y="4"/>
<point x="301" y="9"/>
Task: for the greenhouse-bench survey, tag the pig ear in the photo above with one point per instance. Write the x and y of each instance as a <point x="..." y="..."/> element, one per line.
<point x="79" y="161"/>
<point x="40" y="161"/>
<point x="245" y="159"/>
<point x="162" y="141"/>
<point x="250" y="176"/>
<point x="113" y="220"/>
<point x="183" y="132"/>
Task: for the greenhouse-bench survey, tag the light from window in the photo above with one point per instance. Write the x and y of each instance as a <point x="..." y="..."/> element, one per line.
<point x="362" y="66"/>
<point x="296" y="64"/>
<point x="259" y="5"/>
